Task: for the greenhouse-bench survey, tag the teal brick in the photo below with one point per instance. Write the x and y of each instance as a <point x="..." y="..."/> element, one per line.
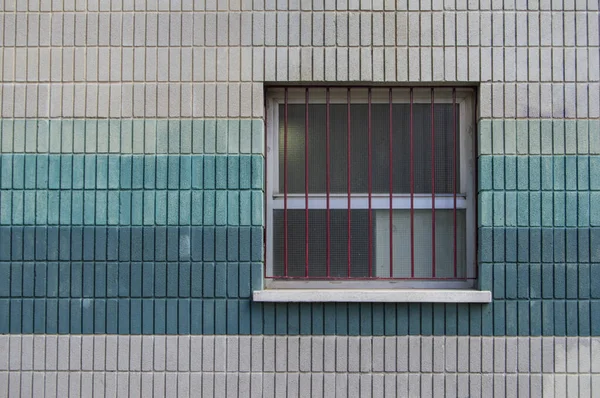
<point x="547" y="281"/>
<point x="119" y="172"/>
<point x="559" y="209"/>
<point x="499" y="281"/>
<point x="173" y="173"/>
<point x="514" y="317"/>
<point x="558" y="135"/>
<point x="510" y="171"/>
<point x="245" y="208"/>
<point x="498" y="172"/>
<point x="584" y="281"/>
<point x="100" y="314"/>
<point x="485" y="173"/>
<point x="172" y="207"/>
<point x="5" y="207"/>
<point x="572" y="323"/>
<point x="29" y="207"/>
<point x="486" y="240"/>
<point x="209" y="172"/>
<point x="197" y="170"/>
<point x="245" y="172"/>
<point x="196" y="317"/>
<point x="208" y="316"/>
<point x="451" y="319"/>
<point x="571" y="245"/>
<point x="64" y="314"/>
<point x="572" y="280"/>
<point x="42" y="171"/>
<point x="547" y="245"/>
<point x="476" y="318"/>
<point x="161" y="212"/>
<point x="511" y="281"/>
<point x="150" y="172"/>
<point x="584" y="328"/>
<point x="30" y="171"/>
<point x="535" y="318"/>
<point x="594" y="318"/>
<point x="174" y="136"/>
<point x="499" y="318"/>
<point x="220" y="208"/>
<point x="257" y="208"/>
<point x="6" y="176"/>
<point x="257" y="172"/>
<point x="594" y="170"/>
<point x="18" y="172"/>
<point x="486" y="206"/>
<point x="245" y="136"/>
<point x="51" y="316"/>
<point x="535" y="209"/>
<point x="28" y="316"/>
<point x="499" y="245"/>
<point x="566" y="173"/>
<point x="158" y="316"/>
<point x="499" y="208"/>
<point x="571" y="209"/>
<point x="594" y="245"/>
<point x="162" y="172"/>
<point x="258" y="136"/>
<point x="39" y="316"/>
<point x="547" y="172"/>
<point x="560" y="281"/>
<point x="185" y="208"/>
<point x="547" y="317"/>
<point x="559" y="245"/>
<point x="172" y="319"/>
<point x="535" y="173"/>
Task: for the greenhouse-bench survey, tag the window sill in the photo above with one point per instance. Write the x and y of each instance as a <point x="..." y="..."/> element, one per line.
<point x="373" y="295"/>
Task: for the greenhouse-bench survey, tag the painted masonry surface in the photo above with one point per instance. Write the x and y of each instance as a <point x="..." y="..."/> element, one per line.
<point x="132" y="199"/>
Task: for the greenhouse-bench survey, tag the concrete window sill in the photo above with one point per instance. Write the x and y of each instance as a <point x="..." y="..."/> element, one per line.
<point x="373" y="295"/>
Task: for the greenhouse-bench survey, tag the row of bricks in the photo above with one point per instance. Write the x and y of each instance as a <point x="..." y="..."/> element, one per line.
<point x="535" y="172"/>
<point x="185" y="100"/>
<point x="245" y="64"/>
<point x="319" y="385"/>
<point x="131" y="243"/>
<point x="545" y="209"/>
<point x="172" y="29"/>
<point x="539" y="137"/>
<point x="118" y="100"/>
<point x="125" y="172"/>
<point x="180" y="279"/>
<point x="132" y="136"/>
<point x="539" y="245"/>
<point x="305" y="5"/>
<point x="126" y="208"/>
<point x="341" y="354"/>
<point x="242" y="316"/>
<point x="184" y="279"/>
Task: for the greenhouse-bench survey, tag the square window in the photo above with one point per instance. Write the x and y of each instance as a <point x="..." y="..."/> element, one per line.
<point x="370" y="187"/>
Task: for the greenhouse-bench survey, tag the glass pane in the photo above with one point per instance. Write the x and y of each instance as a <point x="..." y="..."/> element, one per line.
<point x="444" y="243"/>
<point x="359" y="157"/>
<point x="317" y="222"/>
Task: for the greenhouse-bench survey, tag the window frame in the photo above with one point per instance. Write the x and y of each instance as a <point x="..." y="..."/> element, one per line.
<point x="467" y="197"/>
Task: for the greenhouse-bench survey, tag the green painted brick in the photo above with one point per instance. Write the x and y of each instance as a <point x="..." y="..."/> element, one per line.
<point x="221" y="135"/>
<point x="485" y="137"/>
<point x="498" y="172"/>
<point x="522" y="137"/>
<point x="210" y="139"/>
<point x="499" y="209"/>
<point x="546" y="137"/>
<point x="485" y="173"/>
<point x="570" y="136"/>
<point x="498" y="136"/>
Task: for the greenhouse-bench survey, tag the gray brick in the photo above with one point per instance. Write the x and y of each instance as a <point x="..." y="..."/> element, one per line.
<point x="524" y="354"/>
<point x="62" y="353"/>
<point x="511" y="354"/>
<point x="366" y="352"/>
<point x="329" y="353"/>
<point x="572" y="354"/>
<point x="414" y="353"/>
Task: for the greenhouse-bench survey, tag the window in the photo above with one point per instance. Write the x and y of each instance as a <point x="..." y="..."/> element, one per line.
<point x="370" y="188"/>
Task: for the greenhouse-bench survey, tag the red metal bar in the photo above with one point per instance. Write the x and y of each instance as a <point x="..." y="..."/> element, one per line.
<point x="412" y="193"/>
<point x="327" y="166"/>
<point x="370" y="184"/>
<point x="432" y="185"/>
<point x="265" y="210"/>
<point x="348" y="101"/>
<point x="285" y="185"/>
<point x="454" y="174"/>
<point x="391" y="192"/>
<point x="306" y="184"/>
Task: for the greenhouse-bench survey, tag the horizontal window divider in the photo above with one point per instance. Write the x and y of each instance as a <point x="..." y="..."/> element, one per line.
<point x="377" y="203"/>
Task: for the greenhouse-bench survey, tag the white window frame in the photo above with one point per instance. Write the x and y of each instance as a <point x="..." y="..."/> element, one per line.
<point x="465" y="99"/>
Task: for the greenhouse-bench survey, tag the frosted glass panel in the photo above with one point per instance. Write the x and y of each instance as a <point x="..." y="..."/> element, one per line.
<point x="380" y="142"/>
<point x="444" y="243"/>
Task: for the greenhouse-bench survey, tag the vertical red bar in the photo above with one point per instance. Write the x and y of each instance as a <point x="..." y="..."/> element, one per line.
<point x="370" y="191"/>
<point x="285" y="185"/>
<point x="327" y="166"/>
<point x="412" y="193"/>
<point x="391" y="192"/>
<point x="348" y="101"/>
<point x="265" y="210"/>
<point x="432" y="185"/>
<point x="454" y="174"/>
<point x="306" y="184"/>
